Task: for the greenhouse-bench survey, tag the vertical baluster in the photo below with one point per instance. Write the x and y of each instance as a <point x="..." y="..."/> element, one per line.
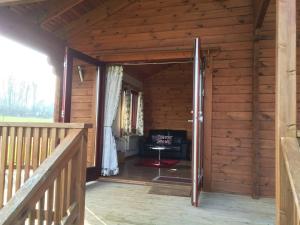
<point x="62" y="134"/>
<point x="35" y="148"/>
<point x="57" y="215"/>
<point x="11" y="163"/>
<point x="35" y="162"/>
<point x="19" y="161"/>
<point x="43" y="155"/>
<point x="69" y="186"/>
<point x="40" y="211"/>
<point x="27" y="153"/>
<point x="53" y="137"/>
<point x="81" y="178"/>
<point x="73" y="172"/>
<point x="50" y="196"/>
<point x="31" y="216"/>
<point x="44" y="145"/>
<point x="3" y="159"/>
<point x="64" y="191"/>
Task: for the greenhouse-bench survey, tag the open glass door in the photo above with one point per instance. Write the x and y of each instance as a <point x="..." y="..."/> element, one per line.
<point x="197" y="145"/>
<point x="83" y="102"/>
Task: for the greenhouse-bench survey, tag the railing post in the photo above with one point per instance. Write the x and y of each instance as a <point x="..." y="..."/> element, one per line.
<point x="285" y="116"/>
<point x="81" y="178"/>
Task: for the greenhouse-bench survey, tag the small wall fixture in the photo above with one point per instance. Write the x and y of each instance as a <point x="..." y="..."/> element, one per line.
<point x="80" y="73"/>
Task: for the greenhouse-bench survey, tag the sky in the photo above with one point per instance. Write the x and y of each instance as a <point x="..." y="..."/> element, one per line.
<point x="24" y="64"/>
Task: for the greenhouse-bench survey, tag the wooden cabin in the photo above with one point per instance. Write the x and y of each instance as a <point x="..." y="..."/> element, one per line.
<point x="249" y="138"/>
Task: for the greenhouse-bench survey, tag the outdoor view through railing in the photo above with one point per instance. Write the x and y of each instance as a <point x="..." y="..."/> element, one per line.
<point x="27" y="84"/>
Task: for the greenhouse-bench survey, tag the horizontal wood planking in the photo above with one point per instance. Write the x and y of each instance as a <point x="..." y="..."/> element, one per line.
<point x="83" y="108"/>
<point x="168" y="99"/>
<point x="165" y="30"/>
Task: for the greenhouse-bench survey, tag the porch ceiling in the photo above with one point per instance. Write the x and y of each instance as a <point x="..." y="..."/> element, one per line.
<point x="116" y="29"/>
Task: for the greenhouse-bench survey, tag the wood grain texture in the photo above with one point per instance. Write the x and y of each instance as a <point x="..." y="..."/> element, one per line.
<point x="83" y="107"/>
<point x="165" y="30"/>
<point x="168" y="99"/>
<point x="286" y="99"/>
<point x="33" y="201"/>
<point x="290" y="183"/>
<point x="18" y="2"/>
<point x="136" y="204"/>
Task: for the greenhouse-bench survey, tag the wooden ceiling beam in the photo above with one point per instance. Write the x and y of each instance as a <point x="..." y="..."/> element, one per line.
<point x="18" y="2"/>
<point x="261" y="11"/>
<point x="108" y="8"/>
<point x="56" y="8"/>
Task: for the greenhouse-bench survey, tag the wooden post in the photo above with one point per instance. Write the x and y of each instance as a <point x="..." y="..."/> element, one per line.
<point x="285" y="116"/>
<point x="255" y="119"/>
<point x="67" y="88"/>
<point x="81" y="178"/>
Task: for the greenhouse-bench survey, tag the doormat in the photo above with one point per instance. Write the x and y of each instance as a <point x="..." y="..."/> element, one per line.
<point x="164" y="163"/>
<point x="174" y="179"/>
<point x="171" y="190"/>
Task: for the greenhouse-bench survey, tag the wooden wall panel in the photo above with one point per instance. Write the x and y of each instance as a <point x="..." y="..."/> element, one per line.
<point x="168" y="97"/>
<point x="83" y="105"/>
<point x="165" y="29"/>
<point x="267" y="99"/>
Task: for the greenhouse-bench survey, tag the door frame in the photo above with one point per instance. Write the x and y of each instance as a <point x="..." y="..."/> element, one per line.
<point x="177" y="56"/>
<point x="66" y="92"/>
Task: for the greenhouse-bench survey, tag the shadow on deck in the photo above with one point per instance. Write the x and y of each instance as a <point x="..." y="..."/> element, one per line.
<point x="114" y="203"/>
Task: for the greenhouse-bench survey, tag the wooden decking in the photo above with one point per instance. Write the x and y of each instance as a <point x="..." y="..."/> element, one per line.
<point x="114" y="203"/>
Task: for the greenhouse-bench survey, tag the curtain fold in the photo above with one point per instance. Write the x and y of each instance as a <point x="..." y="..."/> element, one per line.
<point x="140" y="115"/>
<point x="114" y="76"/>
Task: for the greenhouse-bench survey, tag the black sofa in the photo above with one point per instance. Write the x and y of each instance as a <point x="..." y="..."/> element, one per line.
<point x="175" y="140"/>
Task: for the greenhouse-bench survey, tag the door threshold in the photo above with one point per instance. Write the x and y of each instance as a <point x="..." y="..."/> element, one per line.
<point x="125" y="181"/>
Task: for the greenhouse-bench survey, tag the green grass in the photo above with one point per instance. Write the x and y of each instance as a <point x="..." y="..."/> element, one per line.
<point x="24" y="119"/>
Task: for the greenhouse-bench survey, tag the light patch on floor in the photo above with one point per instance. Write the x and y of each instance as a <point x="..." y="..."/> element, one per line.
<point x="126" y="204"/>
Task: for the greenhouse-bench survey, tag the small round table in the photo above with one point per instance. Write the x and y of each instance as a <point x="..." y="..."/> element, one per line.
<point x="159" y="149"/>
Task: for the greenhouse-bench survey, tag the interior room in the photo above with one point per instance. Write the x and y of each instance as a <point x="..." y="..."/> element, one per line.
<point x="153" y="128"/>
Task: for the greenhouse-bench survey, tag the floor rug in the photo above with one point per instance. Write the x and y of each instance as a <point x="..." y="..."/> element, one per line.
<point x="164" y="163"/>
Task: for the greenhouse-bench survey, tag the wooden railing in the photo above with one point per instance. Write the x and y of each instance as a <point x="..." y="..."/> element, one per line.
<point x="42" y="173"/>
<point x="290" y="182"/>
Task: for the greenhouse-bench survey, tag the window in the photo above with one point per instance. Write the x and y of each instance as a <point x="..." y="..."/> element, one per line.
<point x="131" y="112"/>
<point x="134" y="110"/>
<point x="27" y="84"/>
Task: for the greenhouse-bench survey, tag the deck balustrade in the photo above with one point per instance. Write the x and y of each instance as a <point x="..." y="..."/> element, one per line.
<point x="42" y="174"/>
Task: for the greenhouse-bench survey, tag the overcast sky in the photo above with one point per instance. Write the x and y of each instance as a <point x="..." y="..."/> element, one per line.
<point x="27" y="64"/>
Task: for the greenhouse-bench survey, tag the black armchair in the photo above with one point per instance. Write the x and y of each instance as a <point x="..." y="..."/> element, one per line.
<point x="175" y="140"/>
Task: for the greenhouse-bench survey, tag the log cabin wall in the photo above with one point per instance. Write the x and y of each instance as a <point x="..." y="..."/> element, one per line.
<point x="266" y="92"/>
<point x="150" y="30"/>
<point x="131" y="30"/>
<point x="83" y="106"/>
<point x="168" y="97"/>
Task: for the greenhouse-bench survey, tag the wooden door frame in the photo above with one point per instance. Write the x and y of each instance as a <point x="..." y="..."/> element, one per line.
<point x="66" y="92"/>
<point x="208" y="89"/>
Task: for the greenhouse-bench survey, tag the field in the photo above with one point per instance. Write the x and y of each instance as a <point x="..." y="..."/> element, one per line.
<point x="25" y="119"/>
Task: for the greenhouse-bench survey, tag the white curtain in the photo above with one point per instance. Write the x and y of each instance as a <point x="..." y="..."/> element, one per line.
<point x="140" y="115"/>
<point x="114" y="78"/>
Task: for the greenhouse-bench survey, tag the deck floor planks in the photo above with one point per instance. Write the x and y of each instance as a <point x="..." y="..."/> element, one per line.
<point x="114" y="203"/>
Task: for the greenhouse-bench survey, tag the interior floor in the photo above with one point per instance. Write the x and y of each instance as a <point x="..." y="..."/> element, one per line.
<point x="127" y="204"/>
<point x="131" y="171"/>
